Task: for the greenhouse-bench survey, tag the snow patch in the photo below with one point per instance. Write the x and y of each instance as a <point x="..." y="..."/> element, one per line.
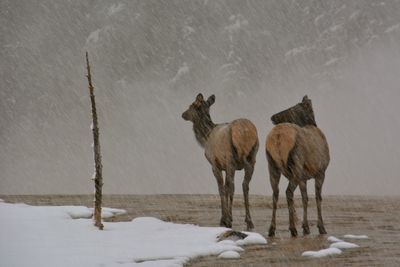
<point x="334" y="239"/>
<point x="47" y="236"/>
<point x="229" y="255"/>
<point x="252" y="239"/>
<point x="81" y="212"/>
<point x="76" y="212"/>
<point x="321" y="253"/>
<point x="334" y="249"/>
<point x="343" y="245"/>
<point x="356" y="236"/>
<point x="110" y="212"/>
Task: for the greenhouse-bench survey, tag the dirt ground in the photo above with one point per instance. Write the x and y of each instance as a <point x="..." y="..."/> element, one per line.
<point x="377" y="217"/>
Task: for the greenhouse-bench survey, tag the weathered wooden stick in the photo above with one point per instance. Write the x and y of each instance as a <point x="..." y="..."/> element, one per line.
<point x="98" y="180"/>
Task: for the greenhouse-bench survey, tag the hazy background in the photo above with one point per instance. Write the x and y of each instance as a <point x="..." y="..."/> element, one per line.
<point x="151" y="58"/>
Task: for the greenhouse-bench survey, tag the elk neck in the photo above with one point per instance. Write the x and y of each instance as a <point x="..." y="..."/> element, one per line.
<point x="202" y="129"/>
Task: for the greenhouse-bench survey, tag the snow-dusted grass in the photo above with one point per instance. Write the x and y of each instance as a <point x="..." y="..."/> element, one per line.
<point x="48" y="236"/>
<point x="335" y="248"/>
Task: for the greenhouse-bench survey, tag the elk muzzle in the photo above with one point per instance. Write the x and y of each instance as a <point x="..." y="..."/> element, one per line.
<point x="185" y="115"/>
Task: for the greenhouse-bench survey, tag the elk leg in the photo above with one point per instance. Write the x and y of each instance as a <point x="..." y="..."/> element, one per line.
<point x="220" y="181"/>
<point x="289" y="197"/>
<point x="274" y="177"/>
<point x="304" y="197"/>
<point x="229" y="191"/>
<point x="319" y="180"/>
<point x="248" y="173"/>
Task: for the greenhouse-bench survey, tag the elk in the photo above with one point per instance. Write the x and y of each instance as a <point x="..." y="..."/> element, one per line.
<point x="298" y="149"/>
<point x="228" y="147"/>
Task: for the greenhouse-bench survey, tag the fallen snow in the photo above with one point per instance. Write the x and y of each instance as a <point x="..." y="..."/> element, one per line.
<point x="48" y="236"/>
<point x="334" y="239"/>
<point x="334" y="249"/>
<point x="80" y="212"/>
<point x="343" y="245"/>
<point x="322" y="253"/>
<point x="110" y="212"/>
<point x="252" y="239"/>
<point x="229" y="255"/>
<point x="356" y="236"/>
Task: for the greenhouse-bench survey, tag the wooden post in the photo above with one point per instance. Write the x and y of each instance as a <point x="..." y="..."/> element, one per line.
<point x="98" y="179"/>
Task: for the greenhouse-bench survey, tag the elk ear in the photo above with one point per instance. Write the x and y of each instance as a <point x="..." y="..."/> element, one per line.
<point x="211" y="100"/>
<point x="305" y="98"/>
<point x="199" y="97"/>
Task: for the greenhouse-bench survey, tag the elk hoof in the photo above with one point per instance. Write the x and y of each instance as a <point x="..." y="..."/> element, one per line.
<point x="225" y="222"/>
<point x="293" y="232"/>
<point x="271" y="232"/>
<point x="306" y="230"/>
<point x="250" y="225"/>
<point x="322" y="230"/>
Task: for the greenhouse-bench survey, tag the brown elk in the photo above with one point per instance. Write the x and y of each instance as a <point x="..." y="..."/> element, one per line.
<point x="228" y="147"/>
<point x="298" y="149"/>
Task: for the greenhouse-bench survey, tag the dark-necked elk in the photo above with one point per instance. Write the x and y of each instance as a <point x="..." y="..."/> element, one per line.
<point x="297" y="148"/>
<point x="228" y="147"/>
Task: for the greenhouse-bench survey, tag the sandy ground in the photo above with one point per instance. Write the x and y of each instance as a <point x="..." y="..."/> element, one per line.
<point x="377" y="217"/>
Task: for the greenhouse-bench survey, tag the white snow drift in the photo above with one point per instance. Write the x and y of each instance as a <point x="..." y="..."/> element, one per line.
<point x="343" y="245"/>
<point x="322" y="253"/>
<point x="48" y="236"/>
<point x="335" y="248"/>
<point x="356" y="236"/>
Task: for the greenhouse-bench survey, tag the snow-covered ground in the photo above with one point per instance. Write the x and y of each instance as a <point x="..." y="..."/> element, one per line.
<point x="49" y="236"/>
<point x="335" y="248"/>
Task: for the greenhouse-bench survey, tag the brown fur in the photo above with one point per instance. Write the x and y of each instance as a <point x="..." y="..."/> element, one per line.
<point x="244" y="136"/>
<point x="311" y="142"/>
<point x="299" y="151"/>
<point x="280" y="141"/>
<point x="228" y="147"/>
<point x="241" y="134"/>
